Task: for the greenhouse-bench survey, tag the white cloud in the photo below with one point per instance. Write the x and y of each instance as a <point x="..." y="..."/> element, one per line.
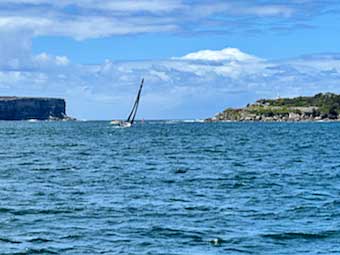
<point x="241" y="8"/>
<point x="269" y="10"/>
<point x="62" y="60"/>
<point x="43" y="60"/>
<point x="228" y="54"/>
<point x="42" y="57"/>
<point x="173" y="87"/>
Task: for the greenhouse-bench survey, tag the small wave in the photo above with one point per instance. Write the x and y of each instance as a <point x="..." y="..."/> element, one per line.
<point x="184" y="121"/>
<point x="233" y="250"/>
<point x="300" y="235"/>
<point x="38" y="240"/>
<point x="6" y="240"/>
<point x="26" y="164"/>
<point x="167" y="181"/>
<point x="45" y="211"/>
<point x="193" y="121"/>
<point x="198" y="208"/>
<point x="176" y="233"/>
<point x="73" y="237"/>
<point x="4" y="210"/>
<point x="178" y="200"/>
<point x="41" y="251"/>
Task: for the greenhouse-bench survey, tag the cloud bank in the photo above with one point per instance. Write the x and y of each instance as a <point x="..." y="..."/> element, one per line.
<point x="196" y="85"/>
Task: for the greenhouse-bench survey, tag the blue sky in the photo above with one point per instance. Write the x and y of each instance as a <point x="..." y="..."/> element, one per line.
<point x="197" y="57"/>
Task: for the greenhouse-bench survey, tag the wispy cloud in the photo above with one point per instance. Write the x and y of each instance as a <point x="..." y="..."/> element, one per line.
<point x="108" y="5"/>
<point x="96" y="18"/>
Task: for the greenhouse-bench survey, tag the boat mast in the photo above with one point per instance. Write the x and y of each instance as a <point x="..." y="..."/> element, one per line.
<point x="133" y="113"/>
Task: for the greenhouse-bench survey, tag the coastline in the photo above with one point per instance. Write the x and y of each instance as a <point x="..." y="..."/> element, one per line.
<point x="271" y="121"/>
<point x="318" y="108"/>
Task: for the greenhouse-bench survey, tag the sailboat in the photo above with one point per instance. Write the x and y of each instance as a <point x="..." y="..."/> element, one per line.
<point x="131" y="119"/>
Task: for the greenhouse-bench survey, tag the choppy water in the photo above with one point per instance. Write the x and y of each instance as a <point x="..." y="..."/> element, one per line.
<point x="169" y="188"/>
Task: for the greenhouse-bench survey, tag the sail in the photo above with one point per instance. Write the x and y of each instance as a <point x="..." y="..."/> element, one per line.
<point x="133" y="113"/>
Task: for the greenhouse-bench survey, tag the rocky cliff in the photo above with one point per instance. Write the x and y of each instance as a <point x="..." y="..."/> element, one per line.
<point x="24" y="108"/>
<point x="316" y="108"/>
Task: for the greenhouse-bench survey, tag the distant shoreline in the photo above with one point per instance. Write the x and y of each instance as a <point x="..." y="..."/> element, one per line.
<point x="319" y="108"/>
<point x="33" y="109"/>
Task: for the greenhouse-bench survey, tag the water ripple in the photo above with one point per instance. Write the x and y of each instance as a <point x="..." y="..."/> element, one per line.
<point x="178" y="188"/>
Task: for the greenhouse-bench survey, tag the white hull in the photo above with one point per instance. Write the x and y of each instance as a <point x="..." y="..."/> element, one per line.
<point x="124" y="124"/>
<point x="120" y="123"/>
<point x="115" y="122"/>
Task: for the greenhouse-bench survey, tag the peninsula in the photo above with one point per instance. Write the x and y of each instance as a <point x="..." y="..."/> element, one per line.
<point x="26" y="108"/>
<point x="321" y="107"/>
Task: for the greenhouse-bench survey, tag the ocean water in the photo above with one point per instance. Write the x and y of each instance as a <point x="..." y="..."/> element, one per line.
<point x="169" y="188"/>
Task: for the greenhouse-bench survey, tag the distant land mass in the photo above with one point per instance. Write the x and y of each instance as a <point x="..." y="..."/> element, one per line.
<point x="38" y="108"/>
<point x="321" y="107"/>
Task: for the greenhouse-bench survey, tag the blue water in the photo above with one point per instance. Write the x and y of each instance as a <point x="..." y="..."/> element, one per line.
<point x="169" y="188"/>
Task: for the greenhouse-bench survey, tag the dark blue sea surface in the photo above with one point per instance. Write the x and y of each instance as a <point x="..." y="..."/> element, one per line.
<point x="169" y="188"/>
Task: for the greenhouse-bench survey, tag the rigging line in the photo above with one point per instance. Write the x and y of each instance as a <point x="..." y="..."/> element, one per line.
<point x="138" y="98"/>
<point x="135" y="106"/>
<point x="134" y="115"/>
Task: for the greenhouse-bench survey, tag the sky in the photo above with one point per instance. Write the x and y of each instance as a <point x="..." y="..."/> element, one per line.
<point x="197" y="57"/>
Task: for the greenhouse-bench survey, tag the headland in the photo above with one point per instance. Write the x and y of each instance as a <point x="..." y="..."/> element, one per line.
<point x="321" y="107"/>
<point x="38" y="108"/>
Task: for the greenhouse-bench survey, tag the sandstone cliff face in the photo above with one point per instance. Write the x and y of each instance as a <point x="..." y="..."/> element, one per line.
<point x="24" y="108"/>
